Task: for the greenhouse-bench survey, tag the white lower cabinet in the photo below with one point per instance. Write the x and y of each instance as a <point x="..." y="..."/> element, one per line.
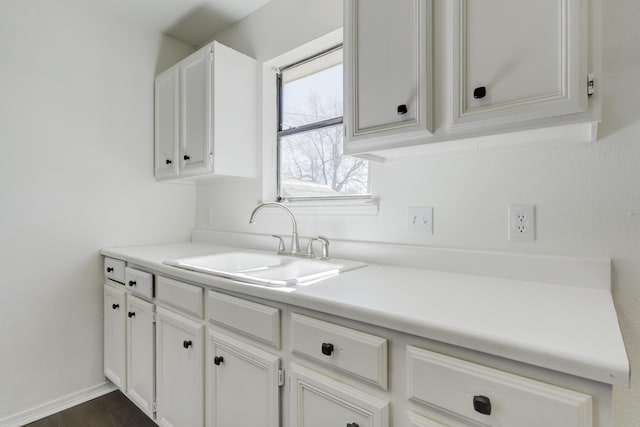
<point x="339" y="372"/>
<point x="140" y="353"/>
<point x="319" y="401"/>
<point x="115" y="361"/>
<point x="179" y="370"/>
<point x="242" y="384"/>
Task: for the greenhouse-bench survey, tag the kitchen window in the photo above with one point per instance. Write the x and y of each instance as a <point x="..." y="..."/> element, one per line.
<point x="310" y="160"/>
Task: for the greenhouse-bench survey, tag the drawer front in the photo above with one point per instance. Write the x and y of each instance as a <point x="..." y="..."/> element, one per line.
<point x="139" y="282"/>
<point x="184" y="297"/>
<point x="490" y="396"/>
<point x="258" y="321"/>
<point x="114" y="269"/>
<point x="357" y="353"/>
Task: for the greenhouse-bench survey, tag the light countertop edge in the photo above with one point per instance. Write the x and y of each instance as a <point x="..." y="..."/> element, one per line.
<point x="545" y="326"/>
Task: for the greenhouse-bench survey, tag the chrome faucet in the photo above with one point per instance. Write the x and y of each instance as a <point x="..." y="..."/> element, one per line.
<point x="295" y="243"/>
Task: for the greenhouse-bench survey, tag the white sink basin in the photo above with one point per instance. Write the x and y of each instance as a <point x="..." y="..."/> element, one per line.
<point x="264" y="268"/>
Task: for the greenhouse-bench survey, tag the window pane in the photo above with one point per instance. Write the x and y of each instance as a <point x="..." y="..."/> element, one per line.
<point x="312" y="165"/>
<point x="308" y="98"/>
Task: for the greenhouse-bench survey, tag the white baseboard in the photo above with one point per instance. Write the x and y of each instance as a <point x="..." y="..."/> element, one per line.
<point x="57" y="405"/>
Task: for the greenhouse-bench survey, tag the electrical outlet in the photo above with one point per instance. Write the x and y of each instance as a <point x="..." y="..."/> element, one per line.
<point x="522" y="223"/>
<point x="420" y="219"/>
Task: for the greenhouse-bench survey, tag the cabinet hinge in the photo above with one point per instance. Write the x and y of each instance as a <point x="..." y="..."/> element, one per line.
<point x="154" y="407"/>
<point x="590" y="85"/>
<point x="210" y="55"/>
<point x="280" y="377"/>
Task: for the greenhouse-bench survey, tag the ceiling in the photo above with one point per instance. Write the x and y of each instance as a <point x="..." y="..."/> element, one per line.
<point x="194" y="22"/>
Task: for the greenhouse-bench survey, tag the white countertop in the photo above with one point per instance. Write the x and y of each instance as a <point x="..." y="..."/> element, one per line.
<point x="570" y="329"/>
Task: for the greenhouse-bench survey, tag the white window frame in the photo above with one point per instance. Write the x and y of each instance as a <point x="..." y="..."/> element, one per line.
<point x="270" y="68"/>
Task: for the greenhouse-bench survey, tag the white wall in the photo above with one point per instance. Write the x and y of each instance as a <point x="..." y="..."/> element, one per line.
<point x="76" y="175"/>
<point x="587" y="197"/>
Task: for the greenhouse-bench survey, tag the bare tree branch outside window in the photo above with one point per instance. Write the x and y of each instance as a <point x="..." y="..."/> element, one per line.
<point x="312" y="163"/>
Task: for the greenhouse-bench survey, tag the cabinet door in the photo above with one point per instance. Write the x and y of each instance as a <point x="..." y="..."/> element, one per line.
<point x="115" y="367"/>
<point x="517" y="60"/>
<point x="196" y="112"/>
<point x="179" y="370"/>
<point x="387" y="70"/>
<point x="240" y="376"/>
<point x="140" y="356"/>
<point x="166" y="124"/>
<point x="319" y="401"/>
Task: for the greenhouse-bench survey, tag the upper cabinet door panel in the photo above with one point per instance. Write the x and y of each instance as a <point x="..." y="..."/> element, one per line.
<point x="387" y="50"/>
<point x="196" y="112"/>
<point x="166" y="123"/>
<point x="518" y="60"/>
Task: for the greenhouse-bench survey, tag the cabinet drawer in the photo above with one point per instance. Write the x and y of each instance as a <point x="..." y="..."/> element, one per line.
<point x="258" y="321"/>
<point x="357" y="353"/>
<point x="139" y="282"/>
<point x="114" y="269"/>
<point x="187" y="298"/>
<point x="490" y="396"/>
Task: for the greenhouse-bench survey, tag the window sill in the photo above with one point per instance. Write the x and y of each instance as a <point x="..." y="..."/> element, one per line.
<point x="367" y="207"/>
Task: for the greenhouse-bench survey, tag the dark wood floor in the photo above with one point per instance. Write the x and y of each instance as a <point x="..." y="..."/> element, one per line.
<point x="110" y="410"/>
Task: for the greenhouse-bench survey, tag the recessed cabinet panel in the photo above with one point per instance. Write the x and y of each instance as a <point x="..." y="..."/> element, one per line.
<point x="492" y="397"/>
<point x="196" y="112"/>
<point x="166" y="123"/>
<point x="179" y="370"/>
<point x="242" y="384"/>
<point x="517" y="60"/>
<point x="179" y="295"/>
<point x="115" y="308"/>
<point x="140" y="354"/>
<point x="319" y="401"/>
<point x="387" y="69"/>
<point x="257" y="321"/>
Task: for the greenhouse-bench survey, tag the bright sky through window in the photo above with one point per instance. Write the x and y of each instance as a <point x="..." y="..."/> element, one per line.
<point x="311" y="162"/>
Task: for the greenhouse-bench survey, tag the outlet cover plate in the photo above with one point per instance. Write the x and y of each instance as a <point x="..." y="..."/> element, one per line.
<point x="420" y="219"/>
<point x="521" y="223"/>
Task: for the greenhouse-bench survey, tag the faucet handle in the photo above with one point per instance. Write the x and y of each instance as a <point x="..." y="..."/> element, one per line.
<point x="310" y="253"/>
<point x="281" y="247"/>
<point x="325" y="247"/>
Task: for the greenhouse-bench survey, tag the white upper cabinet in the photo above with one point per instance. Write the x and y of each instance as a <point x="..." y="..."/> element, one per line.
<point x="468" y="75"/>
<point x="388" y="74"/>
<point x="205" y="115"/>
<point x="518" y="60"/>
